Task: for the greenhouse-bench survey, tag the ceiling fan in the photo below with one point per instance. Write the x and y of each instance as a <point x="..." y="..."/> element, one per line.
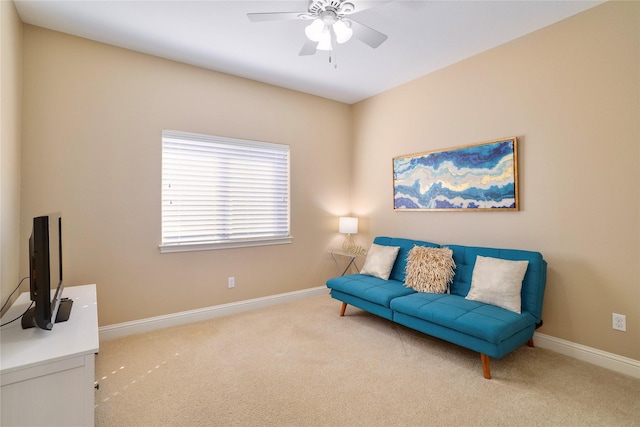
<point x="331" y="22"/>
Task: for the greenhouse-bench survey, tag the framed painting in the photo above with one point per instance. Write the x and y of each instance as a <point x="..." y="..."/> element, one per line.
<point x="479" y="177"/>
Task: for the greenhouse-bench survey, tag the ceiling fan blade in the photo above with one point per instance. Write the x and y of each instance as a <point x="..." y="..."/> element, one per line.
<point x="309" y="48"/>
<point x="364" y="4"/>
<point x="274" y="16"/>
<point x="367" y="35"/>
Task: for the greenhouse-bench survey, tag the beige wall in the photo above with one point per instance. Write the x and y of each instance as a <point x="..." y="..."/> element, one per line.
<point x="570" y="93"/>
<point x="91" y="148"/>
<point x="93" y="116"/>
<point x="10" y="124"/>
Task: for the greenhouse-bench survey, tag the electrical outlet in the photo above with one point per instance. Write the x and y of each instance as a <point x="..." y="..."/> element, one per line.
<point x="619" y="322"/>
<point x="231" y="282"/>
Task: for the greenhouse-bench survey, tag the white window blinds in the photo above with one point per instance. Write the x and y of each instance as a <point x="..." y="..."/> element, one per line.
<point x="222" y="192"/>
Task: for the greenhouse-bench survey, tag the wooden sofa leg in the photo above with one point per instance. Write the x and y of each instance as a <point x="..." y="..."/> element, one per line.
<point x="530" y="343"/>
<point x="342" y="310"/>
<point x="486" y="369"/>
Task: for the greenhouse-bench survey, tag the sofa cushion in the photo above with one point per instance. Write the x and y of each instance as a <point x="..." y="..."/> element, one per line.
<point x="483" y="321"/>
<point x="369" y="288"/>
<point x="379" y="261"/>
<point x="429" y="269"/>
<point x="498" y="282"/>
<point x="405" y="245"/>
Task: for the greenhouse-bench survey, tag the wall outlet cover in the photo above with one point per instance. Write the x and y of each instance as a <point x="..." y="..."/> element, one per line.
<point x="619" y="322"/>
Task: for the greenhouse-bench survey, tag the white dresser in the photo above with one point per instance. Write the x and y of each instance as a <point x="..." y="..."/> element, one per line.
<point x="47" y="377"/>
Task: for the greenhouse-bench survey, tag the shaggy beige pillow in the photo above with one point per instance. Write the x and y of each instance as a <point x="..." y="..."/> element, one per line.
<point x="430" y="269"/>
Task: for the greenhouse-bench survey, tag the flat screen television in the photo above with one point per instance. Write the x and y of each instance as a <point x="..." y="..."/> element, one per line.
<point x="45" y="272"/>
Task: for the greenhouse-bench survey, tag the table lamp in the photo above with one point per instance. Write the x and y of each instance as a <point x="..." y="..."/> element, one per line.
<point x="349" y="225"/>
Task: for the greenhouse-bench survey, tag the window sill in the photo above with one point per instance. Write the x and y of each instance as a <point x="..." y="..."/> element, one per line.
<point x="188" y="247"/>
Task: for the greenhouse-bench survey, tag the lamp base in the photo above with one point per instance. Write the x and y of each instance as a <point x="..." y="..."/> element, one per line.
<point x="350" y="247"/>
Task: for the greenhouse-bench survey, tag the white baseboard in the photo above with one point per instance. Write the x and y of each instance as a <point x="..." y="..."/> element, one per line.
<point x="592" y="355"/>
<point x="174" y="319"/>
<point x="587" y="354"/>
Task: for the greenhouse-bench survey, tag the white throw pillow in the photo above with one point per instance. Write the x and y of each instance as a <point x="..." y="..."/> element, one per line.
<point x="380" y="261"/>
<point x="498" y="282"/>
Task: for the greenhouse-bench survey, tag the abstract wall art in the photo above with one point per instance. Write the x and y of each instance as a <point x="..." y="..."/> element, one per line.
<point x="477" y="177"/>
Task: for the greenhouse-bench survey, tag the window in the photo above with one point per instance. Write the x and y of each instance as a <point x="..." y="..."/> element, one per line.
<point x="223" y="193"/>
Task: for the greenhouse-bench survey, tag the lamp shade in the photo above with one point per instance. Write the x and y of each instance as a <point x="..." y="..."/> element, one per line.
<point x="348" y="225"/>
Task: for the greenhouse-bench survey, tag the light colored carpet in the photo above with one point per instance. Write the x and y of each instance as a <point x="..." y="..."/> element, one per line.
<point x="300" y="364"/>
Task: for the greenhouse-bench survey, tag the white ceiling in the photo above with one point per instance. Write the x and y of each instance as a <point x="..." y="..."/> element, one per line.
<point x="424" y="36"/>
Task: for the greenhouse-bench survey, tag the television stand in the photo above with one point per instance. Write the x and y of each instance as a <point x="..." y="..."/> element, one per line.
<point x="64" y="311"/>
<point x="47" y="378"/>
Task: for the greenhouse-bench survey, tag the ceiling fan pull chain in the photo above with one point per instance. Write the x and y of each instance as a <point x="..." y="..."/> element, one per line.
<point x="332" y="59"/>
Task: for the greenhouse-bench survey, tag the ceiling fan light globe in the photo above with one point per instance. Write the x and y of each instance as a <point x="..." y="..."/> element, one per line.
<point x="343" y="32"/>
<point x="314" y="30"/>
<point x="325" y="41"/>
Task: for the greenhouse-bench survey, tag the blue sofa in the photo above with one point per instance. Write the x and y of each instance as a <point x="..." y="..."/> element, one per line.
<point x="490" y="330"/>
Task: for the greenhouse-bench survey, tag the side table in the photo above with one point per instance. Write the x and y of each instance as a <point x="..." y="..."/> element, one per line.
<point x="351" y="260"/>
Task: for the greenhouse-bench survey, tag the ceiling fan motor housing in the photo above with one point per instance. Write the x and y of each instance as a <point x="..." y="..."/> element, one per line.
<point x="337" y="7"/>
